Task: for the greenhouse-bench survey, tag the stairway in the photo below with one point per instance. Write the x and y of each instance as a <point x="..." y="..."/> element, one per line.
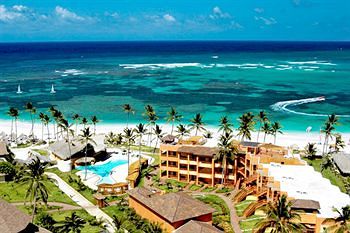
<point x="242" y="194"/>
<point x="250" y="210"/>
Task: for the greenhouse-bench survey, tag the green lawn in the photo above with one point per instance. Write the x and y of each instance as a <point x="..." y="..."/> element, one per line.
<point x="15" y="192"/>
<point x="170" y="185"/>
<point x="195" y="187"/>
<point x="131" y="221"/>
<point x="60" y="216"/>
<point x="224" y="190"/>
<point x="241" y="206"/>
<point x="87" y="193"/>
<point x="336" y="179"/>
<point x="209" y="189"/>
<point x="248" y="224"/>
<point x="42" y="152"/>
<point x="221" y="218"/>
<point x="28" y="208"/>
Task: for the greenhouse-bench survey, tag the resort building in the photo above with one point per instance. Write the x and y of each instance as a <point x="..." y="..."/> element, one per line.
<point x="313" y="196"/>
<point x="197" y="226"/>
<point x="67" y="155"/>
<point x="4" y="153"/>
<point x="12" y="220"/>
<point x="188" y="161"/>
<point x="342" y="161"/>
<point x="172" y="210"/>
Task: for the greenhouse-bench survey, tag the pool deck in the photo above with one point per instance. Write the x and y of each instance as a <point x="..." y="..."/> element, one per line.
<point x="118" y="173"/>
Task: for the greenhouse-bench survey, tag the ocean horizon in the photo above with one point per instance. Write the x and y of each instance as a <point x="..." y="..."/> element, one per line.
<point x="297" y="83"/>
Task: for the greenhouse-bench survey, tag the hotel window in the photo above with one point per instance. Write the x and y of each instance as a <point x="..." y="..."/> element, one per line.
<point x="183" y="167"/>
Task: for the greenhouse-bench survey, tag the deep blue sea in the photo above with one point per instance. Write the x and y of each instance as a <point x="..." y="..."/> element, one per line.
<point x="213" y="78"/>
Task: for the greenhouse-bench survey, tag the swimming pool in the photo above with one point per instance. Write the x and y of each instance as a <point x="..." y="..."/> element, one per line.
<point x="104" y="170"/>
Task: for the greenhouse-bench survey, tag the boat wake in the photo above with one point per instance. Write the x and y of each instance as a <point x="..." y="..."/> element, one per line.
<point x="283" y="106"/>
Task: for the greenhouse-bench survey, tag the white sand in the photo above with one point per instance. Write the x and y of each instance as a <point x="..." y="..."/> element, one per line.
<point x="287" y="139"/>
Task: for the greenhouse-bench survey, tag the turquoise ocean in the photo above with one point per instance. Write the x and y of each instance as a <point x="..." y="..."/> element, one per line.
<point x="297" y="83"/>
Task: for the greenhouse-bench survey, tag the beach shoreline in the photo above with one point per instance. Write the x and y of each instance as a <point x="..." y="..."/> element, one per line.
<point x="286" y="139"/>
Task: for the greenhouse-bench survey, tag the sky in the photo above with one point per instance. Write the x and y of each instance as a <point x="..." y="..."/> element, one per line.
<point x="113" y="20"/>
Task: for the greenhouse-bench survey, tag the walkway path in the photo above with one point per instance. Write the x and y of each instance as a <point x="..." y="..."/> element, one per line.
<point x="63" y="206"/>
<point x="82" y="201"/>
<point x="228" y="200"/>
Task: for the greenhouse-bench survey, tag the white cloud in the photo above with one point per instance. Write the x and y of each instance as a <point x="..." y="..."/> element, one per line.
<point x="266" y="21"/>
<point x="169" y="18"/>
<point x="236" y="25"/>
<point x="259" y="10"/>
<point x="66" y="14"/>
<point x="219" y="14"/>
<point x="19" y="8"/>
<point x="8" y="15"/>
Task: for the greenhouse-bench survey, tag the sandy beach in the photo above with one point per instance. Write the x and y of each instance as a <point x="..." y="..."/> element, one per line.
<point x="286" y="139"/>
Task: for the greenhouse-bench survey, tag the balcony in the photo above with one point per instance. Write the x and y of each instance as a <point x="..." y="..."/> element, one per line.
<point x="184" y="161"/>
<point x="205" y="164"/>
<point x="204" y="175"/>
<point x="193" y="173"/>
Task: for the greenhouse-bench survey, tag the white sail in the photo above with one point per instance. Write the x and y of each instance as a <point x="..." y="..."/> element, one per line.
<point x="52" y="90"/>
<point x="19" y="91"/>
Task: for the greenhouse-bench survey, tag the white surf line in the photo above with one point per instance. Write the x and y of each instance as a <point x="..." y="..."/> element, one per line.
<point x="282" y="106"/>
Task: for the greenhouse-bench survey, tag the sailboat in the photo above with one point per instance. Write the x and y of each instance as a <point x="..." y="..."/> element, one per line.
<point x="19" y="91"/>
<point x="52" y="90"/>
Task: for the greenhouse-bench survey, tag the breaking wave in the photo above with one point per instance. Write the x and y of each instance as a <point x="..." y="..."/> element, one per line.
<point x="311" y="63"/>
<point x="283" y="106"/>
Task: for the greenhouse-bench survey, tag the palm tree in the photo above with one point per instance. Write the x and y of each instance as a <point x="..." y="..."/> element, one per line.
<point x="333" y="119"/>
<point x="225" y="124"/>
<point x="118" y="222"/>
<point x="208" y="135"/>
<point x="173" y="116"/>
<point x="153" y="227"/>
<point x="266" y="128"/>
<point x="280" y="218"/>
<point x="339" y="143"/>
<point x="128" y="109"/>
<point x="58" y="116"/>
<point x="42" y="119"/>
<point x="37" y="189"/>
<point x="129" y="139"/>
<point x="140" y="130"/>
<point x="29" y="107"/>
<point x="53" y="111"/>
<point x="328" y="129"/>
<point x="76" y="118"/>
<point x="262" y="117"/>
<point x="227" y="152"/>
<point x="64" y="125"/>
<point x="341" y="223"/>
<point x="84" y="121"/>
<point x="158" y="133"/>
<point x="46" y="122"/>
<point x="276" y="128"/>
<point x="72" y="223"/>
<point x="86" y="138"/>
<point x="94" y="121"/>
<point x="14" y="113"/>
<point x="182" y="131"/>
<point x="310" y="151"/>
<point x="46" y="221"/>
<point x="327" y="163"/>
<point x="152" y="119"/>
<point x="197" y="123"/>
<point x="246" y="125"/>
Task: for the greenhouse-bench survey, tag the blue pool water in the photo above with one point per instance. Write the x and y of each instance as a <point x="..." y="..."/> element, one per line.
<point x="104" y="170"/>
